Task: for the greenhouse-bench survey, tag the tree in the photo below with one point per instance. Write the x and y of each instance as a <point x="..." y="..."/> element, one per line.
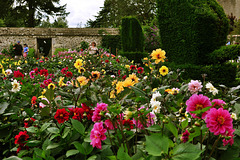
<point x="59" y="22"/>
<point x="31" y="12"/>
<point x="111" y="14"/>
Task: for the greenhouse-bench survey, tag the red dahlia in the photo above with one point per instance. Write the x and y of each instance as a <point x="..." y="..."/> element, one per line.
<point x="61" y="115"/>
<point x="21" y="138"/>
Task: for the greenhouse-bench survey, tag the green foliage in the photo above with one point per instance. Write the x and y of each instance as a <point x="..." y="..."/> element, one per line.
<point x="132" y="35"/>
<point x="57" y="50"/>
<point x="225" y="53"/>
<point x="84" y="45"/>
<point x="219" y="73"/>
<point x="31" y="52"/>
<point x="2" y="24"/>
<point x="59" y="22"/>
<point x="190" y="30"/>
<point x="136" y="56"/>
<point x="111" y="41"/>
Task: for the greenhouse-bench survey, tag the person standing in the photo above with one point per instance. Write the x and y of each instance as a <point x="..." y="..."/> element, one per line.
<point x="18" y="50"/>
<point x="93" y="49"/>
<point x="25" y="50"/>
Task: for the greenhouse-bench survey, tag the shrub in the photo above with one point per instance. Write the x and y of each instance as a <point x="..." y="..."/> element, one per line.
<point x="225" y="53"/>
<point x="59" y="50"/>
<point x="190" y="30"/>
<point x="136" y="56"/>
<point x="84" y="45"/>
<point x="132" y="35"/>
<point x="215" y="73"/>
<point x="111" y="41"/>
<point x="31" y="52"/>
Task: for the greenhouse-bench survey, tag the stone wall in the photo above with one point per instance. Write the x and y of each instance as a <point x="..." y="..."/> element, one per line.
<point x="60" y="37"/>
<point x="231" y="6"/>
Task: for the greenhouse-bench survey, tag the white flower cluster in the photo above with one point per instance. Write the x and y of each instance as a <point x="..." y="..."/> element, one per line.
<point x="15" y="86"/>
<point x="155" y="104"/>
<point x="211" y="88"/>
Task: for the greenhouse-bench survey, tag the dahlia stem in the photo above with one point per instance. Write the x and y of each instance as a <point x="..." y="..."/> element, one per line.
<point x="214" y="146"/>
<point x="112" y="143"/>
<point x="201" y="138"/>
<point x="207" y="145"/>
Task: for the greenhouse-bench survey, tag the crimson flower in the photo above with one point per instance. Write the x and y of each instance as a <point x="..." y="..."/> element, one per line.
<point x="44" y="72"/>
<point x="21" y="138"/>
<point x="185" y="136"/>
<point x="64" y="70"/>
<point x="140" y="70"/>
<point x="132" y="67"/>
<point x="36" y="71"/>
<point x="33" y="101"/>
<point x="106" y="61"/>
<point x="18" y="74"/>
<point x="69" y="74"/>
<point x="61" y="115"/>
<point x="28" y="123"/>
<point x="118" y="60"/>
<point x="128" y="124"/>
<point x="124" y="77"/>
<point x="119" y="72"/>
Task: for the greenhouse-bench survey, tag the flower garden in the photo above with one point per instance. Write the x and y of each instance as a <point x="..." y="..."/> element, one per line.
<point x="80" y="106"/>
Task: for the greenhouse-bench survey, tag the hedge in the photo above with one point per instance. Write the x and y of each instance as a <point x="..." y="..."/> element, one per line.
<point x="191" y="29"/>
<point x="225" y="53"/>
<point x="111" y="41"/>
<point x="57" y="50"/>
<point x="136" y="56"/>
<point x="218" y="74"/>
<point x="131" y="35"/>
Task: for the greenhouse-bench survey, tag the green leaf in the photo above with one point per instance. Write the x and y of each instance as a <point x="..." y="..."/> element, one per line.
<point x="33" y="143"/>
<point x="237" y="108"/>
<point x="13" y="158"/>
<point x="154" y="128"/>
<point x="71" y="152"/>
<point x="45" y="126"/>
<point x="186" y="151"/>
<point x="78" y="126"/>
<point x="53" y="130"/>
<point x="32" y="129"/>
<point x="92" y="157"/>
<point x="88" y="147"/>
<point x="38" y="152"/>
<point x="29" y="112"/>
<point x="45" y="112"/>
<point x="170" y="126"/>
<point x="79" y="147"/>
<point x="49" y="95"/>
<point x="184" y="124"/>
<point x="66" y="132"/>
<point x="201" y="110"/>
<point x="157" y="144"/>
<point x="139" y="92"/>
<point x="121" y="155"/>
<point x="52" y="146"/>
<point x="3" y="107"/>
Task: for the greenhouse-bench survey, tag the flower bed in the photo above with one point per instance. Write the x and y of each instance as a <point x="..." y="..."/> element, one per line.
<point x="79" y="106"/>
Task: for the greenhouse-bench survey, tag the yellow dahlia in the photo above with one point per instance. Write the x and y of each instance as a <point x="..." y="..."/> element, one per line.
<point x="95" y="75"/>
<point x="82" y="81"/>
<point x="158" y="55"/>
<point x="128" y="82"/>
<point x="163" y="70"/>
<point x="51" y="86"/>
<point x="78" y="63"/>
<point x="133" y="77"/>
<point x="119" y="87"/>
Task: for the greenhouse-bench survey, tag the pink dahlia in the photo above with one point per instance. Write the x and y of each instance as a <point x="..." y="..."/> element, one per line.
<point x="98" y="135"/>
<point x="198" y="102"/>
<point x="149" y="120"/>
<point x="102" y="107"/>
<point x="219" y="121"/>
<point x="195" y="86"/>
<point x="218" y="103"/>
<point x="109" y="124"/>
<point x="229" y="138"/>
<point x="185" y="136"/>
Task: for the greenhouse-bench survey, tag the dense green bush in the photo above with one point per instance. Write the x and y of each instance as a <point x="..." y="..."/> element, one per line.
<point x="215" y="73"/>
<point x="59" y="50"/>
<point x="132" y="35"/>
<point x="31" y="52"/>
<point x="136" y="56"/>
<point x="84" y="45"/>
<point x="225" y="53"/>
<point x="191" y="29"/>
<point x="111" y="42"/>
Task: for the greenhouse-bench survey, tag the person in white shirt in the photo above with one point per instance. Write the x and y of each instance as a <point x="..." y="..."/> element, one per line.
<point x="92" y="48"/>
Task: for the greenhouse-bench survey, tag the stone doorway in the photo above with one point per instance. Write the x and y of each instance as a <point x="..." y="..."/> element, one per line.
<point x="44" y="46"/>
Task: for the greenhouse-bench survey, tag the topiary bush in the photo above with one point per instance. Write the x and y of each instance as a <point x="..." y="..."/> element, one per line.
<point x="111" y="42"/>
<point x="31" y="52"/>
<point x="225" y="53"/>
<point x="191" y="29"/>
<point x="84" y="45"/>
<point x="132" y="35"/>
<point x="136" y="56"/>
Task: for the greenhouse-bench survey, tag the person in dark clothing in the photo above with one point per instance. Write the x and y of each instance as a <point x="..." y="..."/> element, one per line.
<point x="18" y="50"/>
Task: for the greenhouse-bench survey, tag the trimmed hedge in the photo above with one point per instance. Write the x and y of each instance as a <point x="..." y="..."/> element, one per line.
<point x="31" y="52"/>
<point x="111" y="41"/>
<point x="136" y="56"/>
<point x="191" y="29"/>
<point x="225" y="53"/>
<point x="132" y="35"/>
<point x="219" y="73"/>
<point x="60" y="50"/>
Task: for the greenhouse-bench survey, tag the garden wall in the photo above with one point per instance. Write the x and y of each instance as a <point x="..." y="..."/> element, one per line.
<point x="59" y="37"/>
<point x="231" y="6"/>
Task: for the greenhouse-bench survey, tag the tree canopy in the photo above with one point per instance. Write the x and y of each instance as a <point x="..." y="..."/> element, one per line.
<point x="29" y="13"/>
<point x="111" y="14"/>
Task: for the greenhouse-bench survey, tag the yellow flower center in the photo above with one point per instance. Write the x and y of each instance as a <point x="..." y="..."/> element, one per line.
<point x="15" y="86"/>
<point x="61" y="115"/>
<point x="199" y="107"/>
<point x="220" y="120"/>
